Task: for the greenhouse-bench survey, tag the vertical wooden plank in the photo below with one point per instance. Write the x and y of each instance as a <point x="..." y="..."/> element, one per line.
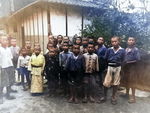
<point x="66" y="22"/>
<point x="42" y="28"/>
<point x="37" y="23"/>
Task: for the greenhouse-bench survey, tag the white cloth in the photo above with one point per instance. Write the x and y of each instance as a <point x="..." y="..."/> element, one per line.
<point x="5" y="57"/>
<point x="23" y="62"/>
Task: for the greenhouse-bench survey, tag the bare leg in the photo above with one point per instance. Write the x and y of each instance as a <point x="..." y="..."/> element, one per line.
<point x="114" y="92"/>
<point x="72" y="94"/>
<point x="132" y="100"/>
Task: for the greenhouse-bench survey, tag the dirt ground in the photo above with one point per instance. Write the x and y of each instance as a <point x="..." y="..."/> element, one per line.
<point x="25" y="103"/>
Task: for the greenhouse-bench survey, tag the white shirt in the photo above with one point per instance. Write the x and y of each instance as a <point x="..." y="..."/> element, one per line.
<point x="23" y="62"/>
<point x="15" y="52"/>
<point x="5" y="57"/>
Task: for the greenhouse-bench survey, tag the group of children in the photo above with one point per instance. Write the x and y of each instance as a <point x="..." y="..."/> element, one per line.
<point x="72" y="66"/>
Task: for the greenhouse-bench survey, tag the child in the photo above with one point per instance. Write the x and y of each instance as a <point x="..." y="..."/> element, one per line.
<point x="91" y="64"/>
<point x="50" y="38"/>
<point x="70" y="46"/>
<point x="102" y="63"/>
<point x="75" y="67"/>
<point x="131" y="58"/>
<point x="28" y="48"/>
<point x="114" y="57"/>
<point x="83" y="48"/>
<point x="52" y="70"/>
<point x="78" y="41"/>
<point x="7" y="75"/>
<point x="63" y="56"/>
<point x="66" y="39"/>
<point x="36" y="66"/>
<point x="59" y="40"/>
<point x="22" y="65"/>
<point x="15" y="52"/>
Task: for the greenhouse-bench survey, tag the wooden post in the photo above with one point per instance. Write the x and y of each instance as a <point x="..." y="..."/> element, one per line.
<point x="66" y="22"/>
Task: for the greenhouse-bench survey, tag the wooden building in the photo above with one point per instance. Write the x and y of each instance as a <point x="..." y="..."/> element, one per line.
<point x="38" y="19"/>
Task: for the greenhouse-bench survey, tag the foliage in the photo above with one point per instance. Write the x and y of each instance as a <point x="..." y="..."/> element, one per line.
<point x="112" y="22"/>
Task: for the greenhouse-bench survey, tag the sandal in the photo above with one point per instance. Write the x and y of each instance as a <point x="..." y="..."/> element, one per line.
<point x="85" y="100"/>
<point x="70" y="101"/>
<point x="124" y="95"/>
<point x="10" y="97"/>
<point x="25" y="89"/>
<point x="102" y="99"/>
<point x="92" y="100"/>
<point x="76" y="101"/>
<point x="114" y="102"/>
<point x="131" y="101"/>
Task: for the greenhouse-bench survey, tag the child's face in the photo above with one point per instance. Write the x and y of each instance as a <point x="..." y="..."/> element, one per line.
<point x="13" y="42"/>
<point x="115" y="42"/>
<point x="23" y="52"/>
<point x="28" y="44"/>
<point x="84" y="42"/>
<point x="90" y="48"/>
<point x="70" y="48"/>
<point x="4" y="41"/>
<point x="76" y="49"/>
<point x="78" y="41"/>
<point x="59" y="39"/>
<point x="51" y="38"/>
<point x="66" y="39"/>
<point x="131" y="41"/>
<point x="50" y="47"/>
<point x="100" y="41"/>
<point x="37" y="50"/>
<point x="52" y="53"/>
<point x="65" y="47"/>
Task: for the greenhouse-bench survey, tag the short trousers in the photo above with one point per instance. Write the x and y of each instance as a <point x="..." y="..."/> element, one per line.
<point x="113" y="76"/>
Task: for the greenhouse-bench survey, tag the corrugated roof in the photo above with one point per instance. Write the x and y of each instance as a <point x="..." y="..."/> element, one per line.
<point x="75" y="2"/>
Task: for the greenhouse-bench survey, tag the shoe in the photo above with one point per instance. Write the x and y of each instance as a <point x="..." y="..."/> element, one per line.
<point x="10" y="97"/>
<point x="13" y="91"/>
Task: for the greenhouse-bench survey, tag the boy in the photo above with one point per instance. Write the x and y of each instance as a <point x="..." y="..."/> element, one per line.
<point x="131" y="58"/>
<point x="114" y="57"/>
<point x="102" y="63"/>
<point x="83" y="48"/>
<point x="28" y="48"/>
<point x="22" y="65"/>
<point x="36" y="66"/>
<point x="59" y="40"/>
<point x="63" y="56"/>
<point x="50" y="38"/>
<point x="78" y="41"/>
<point x="52" y="70"/>
<point x="7" y="76"/>
<point x="66" y="39"/>
<point x="75" y="67"/>
<point x="70" y="46"/>
<point x="91" y="67"/>
<point x="15" y="52"/>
